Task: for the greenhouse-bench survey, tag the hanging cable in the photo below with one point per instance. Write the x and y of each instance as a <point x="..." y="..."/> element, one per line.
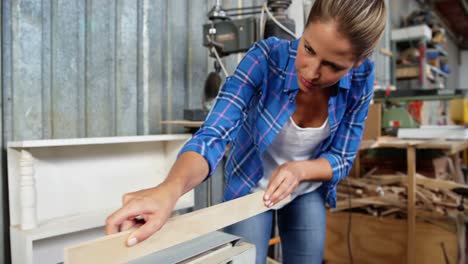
<point x="262" y="23"/>
<point x="277" y="22"/>
<point x="218" y="59"/>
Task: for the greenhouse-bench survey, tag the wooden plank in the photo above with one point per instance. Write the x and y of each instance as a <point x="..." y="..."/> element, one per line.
<point x="355" y="203"/>
<point x="391" y="142"/>
<point x="437" y="184"/>
<point x="388" y="179"/>
<point x="113" y="249"/>
<point x="432" y="184"/>
<point x="368" y="144"/>
<point x="382" y="240"/>
<point x="185" y="123"/>
<point x="411" y="247"/>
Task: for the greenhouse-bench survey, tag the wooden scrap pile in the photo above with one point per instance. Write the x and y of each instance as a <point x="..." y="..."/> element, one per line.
<point x="386" y="195"/>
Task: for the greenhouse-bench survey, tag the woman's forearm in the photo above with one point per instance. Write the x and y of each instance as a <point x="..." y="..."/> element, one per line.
<point x="315" y="170"/>
<point x="189" y="170"/>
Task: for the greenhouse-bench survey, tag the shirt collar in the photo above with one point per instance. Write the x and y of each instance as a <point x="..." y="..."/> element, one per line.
<point x="291" y="84"/>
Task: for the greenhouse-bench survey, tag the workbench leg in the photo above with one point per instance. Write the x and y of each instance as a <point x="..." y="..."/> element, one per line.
<point x="458" y="170"/>
<point x="411" y="246"/>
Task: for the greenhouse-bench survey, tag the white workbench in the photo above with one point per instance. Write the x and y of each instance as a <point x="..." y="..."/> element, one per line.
<point x="61" y="191"/>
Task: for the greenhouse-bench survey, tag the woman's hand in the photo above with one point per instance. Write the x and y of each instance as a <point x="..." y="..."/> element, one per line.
<point x="283" y="181"/>
<point x="147" y="210"/>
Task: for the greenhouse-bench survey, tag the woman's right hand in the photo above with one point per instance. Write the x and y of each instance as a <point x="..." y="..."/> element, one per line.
<point x="146" y="210"/>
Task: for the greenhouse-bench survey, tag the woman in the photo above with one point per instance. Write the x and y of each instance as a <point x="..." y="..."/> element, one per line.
<point x="293" y="114"/>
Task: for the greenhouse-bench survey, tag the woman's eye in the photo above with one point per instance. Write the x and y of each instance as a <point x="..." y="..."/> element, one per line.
<point x="309" y="50"/>
<point x="334" y="67"/>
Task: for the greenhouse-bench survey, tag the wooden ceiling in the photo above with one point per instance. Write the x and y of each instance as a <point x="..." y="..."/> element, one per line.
<point x="454" y="14"/>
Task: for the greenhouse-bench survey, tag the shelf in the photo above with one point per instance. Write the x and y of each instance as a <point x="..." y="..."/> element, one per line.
<point x="65" y="225"/>
<point x="440" y="50"/>
<point x="407" y="71"/>
<point x="80" y="222"/>
<point x="95" y="141"/>
<point x="420" y="95"/>
<point x="412" y="33"/>
<point x="412" y="71"/>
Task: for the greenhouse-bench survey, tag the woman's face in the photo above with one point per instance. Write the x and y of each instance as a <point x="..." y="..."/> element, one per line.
<point x="323" y="57"/>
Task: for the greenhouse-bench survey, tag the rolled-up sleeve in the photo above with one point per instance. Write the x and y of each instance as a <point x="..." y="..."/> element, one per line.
<point x="345" y="145"/>
<point x="229" y="110"/>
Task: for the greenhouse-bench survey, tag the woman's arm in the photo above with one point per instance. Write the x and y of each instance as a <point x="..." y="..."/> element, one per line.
<point x="199" y="156"/>
<point x="333" y="165"/>
<point x="348" y="137"/>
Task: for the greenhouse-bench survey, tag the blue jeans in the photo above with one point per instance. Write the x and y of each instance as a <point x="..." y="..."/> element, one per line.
<point x="301" y="225"/>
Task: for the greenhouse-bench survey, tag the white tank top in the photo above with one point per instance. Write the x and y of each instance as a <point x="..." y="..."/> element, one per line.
<point x="293" y="143"/>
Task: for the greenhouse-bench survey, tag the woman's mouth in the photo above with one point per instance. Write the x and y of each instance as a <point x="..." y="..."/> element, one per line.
<point x="306" y="83"/>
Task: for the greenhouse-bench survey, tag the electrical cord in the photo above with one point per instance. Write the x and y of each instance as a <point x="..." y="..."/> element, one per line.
<point x="262" y="23"/>
<point x="265" y="7"/>
<point x="348" y="236"/>
<point x="218" y="59"/>
<point x="262" y="31"/>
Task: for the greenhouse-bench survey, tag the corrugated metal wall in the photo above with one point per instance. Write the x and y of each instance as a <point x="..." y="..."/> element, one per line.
<point x="91" y="68"/>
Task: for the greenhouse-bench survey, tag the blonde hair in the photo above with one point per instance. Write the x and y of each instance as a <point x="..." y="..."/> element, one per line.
<point x="361" y="21"/>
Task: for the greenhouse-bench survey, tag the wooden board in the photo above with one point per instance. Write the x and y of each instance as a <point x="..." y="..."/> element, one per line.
<point x="185" y="123"/>
<point x="383" y="240"/>
<point x="112" y="249"/>
<point x="392" y="142"/>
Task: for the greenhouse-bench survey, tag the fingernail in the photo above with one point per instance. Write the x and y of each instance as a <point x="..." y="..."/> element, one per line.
<point x="132" y="241"/>
<point x="267" y="197"/>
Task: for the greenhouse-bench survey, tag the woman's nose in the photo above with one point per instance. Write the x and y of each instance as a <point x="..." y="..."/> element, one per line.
<point x="313" y="70"/>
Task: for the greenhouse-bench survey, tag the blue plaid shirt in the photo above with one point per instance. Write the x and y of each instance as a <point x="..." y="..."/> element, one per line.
<point x="257" y="100"/>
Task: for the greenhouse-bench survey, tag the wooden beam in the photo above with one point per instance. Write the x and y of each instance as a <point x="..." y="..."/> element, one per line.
<point x="355" y="203"/>
<point x="438" y="184"/>
<point x="113" y="249"/>
<point x="432" y="184"/>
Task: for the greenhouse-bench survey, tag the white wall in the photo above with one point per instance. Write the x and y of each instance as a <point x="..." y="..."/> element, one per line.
<point x="463" y="73"/>
<point x="453" y="81"/>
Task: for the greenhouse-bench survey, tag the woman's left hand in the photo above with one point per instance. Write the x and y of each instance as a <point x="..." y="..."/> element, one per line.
<point x="283" y="181"/>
